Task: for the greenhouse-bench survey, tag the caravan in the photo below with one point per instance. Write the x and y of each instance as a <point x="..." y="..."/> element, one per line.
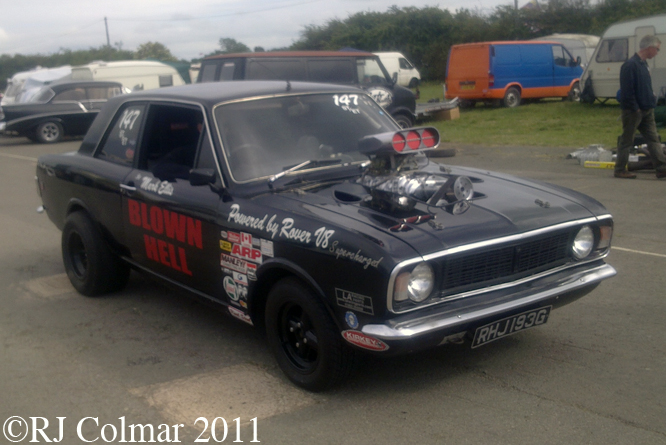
<point x="135" y="75"/>
<point x="601" y="79"/>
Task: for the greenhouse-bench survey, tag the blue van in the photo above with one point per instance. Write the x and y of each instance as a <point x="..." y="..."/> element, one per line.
<point x="508" y="72"/>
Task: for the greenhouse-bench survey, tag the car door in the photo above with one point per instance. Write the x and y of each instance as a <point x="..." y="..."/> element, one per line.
<point x="170" y="224"/>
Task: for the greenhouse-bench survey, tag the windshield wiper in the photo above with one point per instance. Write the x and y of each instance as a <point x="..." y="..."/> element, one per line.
<point x="310" y="163"/>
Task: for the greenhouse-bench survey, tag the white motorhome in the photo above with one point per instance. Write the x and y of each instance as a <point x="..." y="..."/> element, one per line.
<point x="601" y="79"/>
<point x="397" y="64"/>
<point x="135" y="75"/>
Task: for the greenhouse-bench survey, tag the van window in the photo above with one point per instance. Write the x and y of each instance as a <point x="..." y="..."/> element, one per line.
<point x="507" y="55"/>
<point x="613" y="50"/>
<point x="208" y="72"/>
<point x="369" y="71"/>
<point x="283" y="69"/>
<point x="336" y="71"/>
<point x="228" y="70"/>
<point x="561" y="57"/>
<point x="404" y="64"/>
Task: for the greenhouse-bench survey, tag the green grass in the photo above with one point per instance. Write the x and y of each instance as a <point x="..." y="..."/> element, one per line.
<point x="549" y="122"/>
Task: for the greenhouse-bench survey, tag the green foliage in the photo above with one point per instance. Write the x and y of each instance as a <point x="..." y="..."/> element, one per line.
<point x="154" y="50"/>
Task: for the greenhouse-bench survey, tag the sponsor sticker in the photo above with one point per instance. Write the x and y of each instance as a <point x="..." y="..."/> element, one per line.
<point x="361" y="340"/>
<point x="240" y="278"/>
<point x="233" y="263"/>
<point x="230" y="288"/>
<point x="225" y="245"/>
<point x="237" y="313"/>
<point x="351" y="320"/>
<point x="353" y="301"/>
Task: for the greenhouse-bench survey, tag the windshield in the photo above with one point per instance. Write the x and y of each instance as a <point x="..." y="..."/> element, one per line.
<point x="371" y="72"/>
<point x="265" y="137"/>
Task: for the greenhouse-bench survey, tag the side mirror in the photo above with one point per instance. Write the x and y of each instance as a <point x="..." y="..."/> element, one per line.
<point x="394" y="78"/>
<point x="202" y="176"/>
<point x="578" y="60"/>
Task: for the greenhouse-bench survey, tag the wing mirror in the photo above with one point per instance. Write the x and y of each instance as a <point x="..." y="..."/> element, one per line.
<point x="202" y="176"/>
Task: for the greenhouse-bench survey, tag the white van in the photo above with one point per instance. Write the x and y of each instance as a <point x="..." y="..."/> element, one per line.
<point x="601" y="79"/>
<point x="397" y="65"/>
<point x="136" y="75"/>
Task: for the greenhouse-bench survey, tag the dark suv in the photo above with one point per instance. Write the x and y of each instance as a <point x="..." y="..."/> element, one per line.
<point x="342" y="67"/>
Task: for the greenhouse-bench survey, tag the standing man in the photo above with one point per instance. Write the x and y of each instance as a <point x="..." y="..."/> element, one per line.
<point x="637" y="102"/>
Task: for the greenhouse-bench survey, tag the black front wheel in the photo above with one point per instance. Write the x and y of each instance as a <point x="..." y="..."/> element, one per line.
<point x="304" y="339"/>
<point x="91" y="266"/>
<point x="403" y="120"/>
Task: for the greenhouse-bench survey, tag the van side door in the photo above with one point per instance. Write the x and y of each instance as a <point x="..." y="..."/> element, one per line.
<point x="565" y="70"/>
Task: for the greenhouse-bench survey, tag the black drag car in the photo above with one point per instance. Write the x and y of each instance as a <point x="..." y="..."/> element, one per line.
<point x="305" y="210"/>
<point x="64" y="108"/>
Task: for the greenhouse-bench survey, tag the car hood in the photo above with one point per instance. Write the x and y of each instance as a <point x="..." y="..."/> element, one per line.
<point x="503" y="205"/>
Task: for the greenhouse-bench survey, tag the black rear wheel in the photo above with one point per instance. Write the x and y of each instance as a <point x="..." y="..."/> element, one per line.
<point x="49" y="132"/>
<point x="91" y="266"/>
<point x="304" y="339"/>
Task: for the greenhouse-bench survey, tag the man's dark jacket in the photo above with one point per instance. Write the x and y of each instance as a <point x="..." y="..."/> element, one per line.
<point x="636" y="85"/>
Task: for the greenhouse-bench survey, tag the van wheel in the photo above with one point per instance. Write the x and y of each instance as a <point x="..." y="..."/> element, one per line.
<point x="91" y="266"/>
<point x="304" y="339"/>
<point x="49" y="132"/>
<point x="574" y="94"/>
<point x="512" y="97"/>
<point x="414" y="82"/>
<point x="403" y="120"/>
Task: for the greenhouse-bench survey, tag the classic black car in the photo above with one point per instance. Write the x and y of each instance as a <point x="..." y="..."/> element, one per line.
<point x="304" y="209"/>
<point x="64" y="108"/>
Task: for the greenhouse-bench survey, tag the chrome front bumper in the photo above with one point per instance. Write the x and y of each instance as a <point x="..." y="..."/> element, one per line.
<point x="449" y="320"/>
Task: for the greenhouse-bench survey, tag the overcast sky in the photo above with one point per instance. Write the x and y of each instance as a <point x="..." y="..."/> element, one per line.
<point x="189" y="28"/>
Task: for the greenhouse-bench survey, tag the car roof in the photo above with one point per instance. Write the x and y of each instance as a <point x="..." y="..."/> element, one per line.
<point x="212" y="93"/>
<point x="63" y="85"/>
<point x="275" y="54"/>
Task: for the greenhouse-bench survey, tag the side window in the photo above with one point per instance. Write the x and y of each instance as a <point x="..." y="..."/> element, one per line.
<point x="335" y="71"/>
<point x="121" y="142"/>
<point x="208" y="72"/>
<point x="76" y="94"/>
<point x="102" y="93"/>
<point x="283" y="69"/>
<point x="166" y="80"/>
<point x="170" y="140"/>
<point x="614" y="50"/>
<point x="404" y="64"/>
<point x="558" y="56"/>
<point x="228" y="70"/>
<point x="206" y="159"/>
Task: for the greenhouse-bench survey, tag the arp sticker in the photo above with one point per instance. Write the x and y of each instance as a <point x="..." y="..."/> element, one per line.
<point x="361" y="340"/>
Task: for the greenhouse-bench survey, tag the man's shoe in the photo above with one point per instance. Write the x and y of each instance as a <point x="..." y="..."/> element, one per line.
<point x="628" y="175"/>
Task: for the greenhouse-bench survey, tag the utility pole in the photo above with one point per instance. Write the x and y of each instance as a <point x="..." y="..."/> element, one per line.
<point x="108" y="41"/>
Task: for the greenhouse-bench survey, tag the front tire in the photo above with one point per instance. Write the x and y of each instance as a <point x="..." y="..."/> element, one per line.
<point x="91" y="266"/>
<point x="403" y="120"/>
<point x="512" y="97"/>
<point x="574" y="93"/>
<point x="49" y="132"/>
<point x="304" y="339"/>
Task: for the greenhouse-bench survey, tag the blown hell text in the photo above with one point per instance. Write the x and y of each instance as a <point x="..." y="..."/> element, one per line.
<point x="174" y="226"/>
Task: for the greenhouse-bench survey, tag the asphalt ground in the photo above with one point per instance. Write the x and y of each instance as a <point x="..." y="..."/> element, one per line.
<point x="594" y="374"/>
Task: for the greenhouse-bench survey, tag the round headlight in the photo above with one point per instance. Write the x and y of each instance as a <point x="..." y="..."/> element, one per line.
<point x="421" y="282"/>
<point x="583" y="243"/>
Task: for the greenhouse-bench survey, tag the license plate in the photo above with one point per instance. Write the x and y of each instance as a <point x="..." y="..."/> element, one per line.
<point x="467" y="87"/>
<point x="510" y="325"/>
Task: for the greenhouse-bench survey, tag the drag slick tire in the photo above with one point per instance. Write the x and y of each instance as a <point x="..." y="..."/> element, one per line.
<point x="304" y="339"/>
<point x="92" y="268"/>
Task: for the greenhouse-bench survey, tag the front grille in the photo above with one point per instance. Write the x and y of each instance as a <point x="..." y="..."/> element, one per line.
<point x="496" y="265"/>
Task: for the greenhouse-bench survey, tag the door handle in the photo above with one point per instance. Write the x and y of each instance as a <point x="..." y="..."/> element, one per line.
<point x="127" y="189"/>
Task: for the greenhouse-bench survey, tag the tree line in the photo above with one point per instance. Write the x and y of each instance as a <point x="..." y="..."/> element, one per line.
<point x="423" y="34"/>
